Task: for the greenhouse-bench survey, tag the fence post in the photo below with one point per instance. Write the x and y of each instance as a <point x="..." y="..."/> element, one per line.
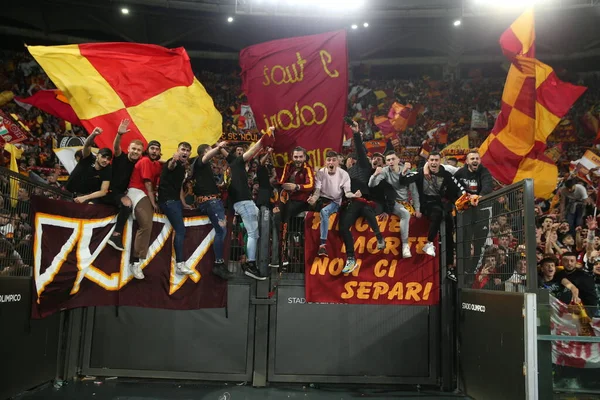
<point x="261" y="302"/>
<point x="460" y="254"/>
<point x="529" y="233"/>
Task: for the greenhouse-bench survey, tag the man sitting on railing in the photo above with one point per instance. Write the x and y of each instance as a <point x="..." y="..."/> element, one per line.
<point x="437" y="196"/>
<point x="123" y="164"/>
<point x="297" y="182"/>
<point x="90" y="179"/>
<point x="241" y="198"/>
<point x="402" y="207"/>
<point x="360" y="204"/>
<point x="331" y="184"/>
<point x="209" y="203"/>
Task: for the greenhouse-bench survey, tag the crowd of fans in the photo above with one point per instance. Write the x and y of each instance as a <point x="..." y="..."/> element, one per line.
<point x="563" y="229"/>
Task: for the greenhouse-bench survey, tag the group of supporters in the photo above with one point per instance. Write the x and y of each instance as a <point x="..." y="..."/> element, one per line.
<point x="139" y="182"/>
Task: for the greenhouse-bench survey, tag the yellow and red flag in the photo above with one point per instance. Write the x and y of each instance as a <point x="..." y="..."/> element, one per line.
<point x="53" y="102"/>
<point x="152" y="86"/>
<point x="533" y="102"/>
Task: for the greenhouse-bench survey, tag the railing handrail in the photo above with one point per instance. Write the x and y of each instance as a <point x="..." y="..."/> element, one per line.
<point x="21" y="177"/>
<point x="500" y="192"/>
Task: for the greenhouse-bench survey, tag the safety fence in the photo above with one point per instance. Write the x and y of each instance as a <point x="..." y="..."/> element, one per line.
<point x="16" y="221"/>
<point x="496" y="242"/>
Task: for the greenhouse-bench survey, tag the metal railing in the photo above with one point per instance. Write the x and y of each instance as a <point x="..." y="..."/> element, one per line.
<point x="16" y="220"/>
<point x="495" y="242"/>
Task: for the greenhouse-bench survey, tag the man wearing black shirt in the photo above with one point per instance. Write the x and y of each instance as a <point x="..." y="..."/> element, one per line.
<point x="437" y="196"/>
<point x="241" y="197"/>
<point x="477" y="180"/>
<point x="122" y="164"/>
<point x="581" y="280"/>
<point x="90" y="179"/>
<point x="209" y="202"/>
<point x="171" y="200"/>
<point x="360" y="204"/>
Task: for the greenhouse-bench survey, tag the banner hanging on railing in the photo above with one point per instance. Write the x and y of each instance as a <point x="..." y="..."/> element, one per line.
<point x="382" y="277"/>
<point x="299" y="86"/>
<point x="74" y="267"/>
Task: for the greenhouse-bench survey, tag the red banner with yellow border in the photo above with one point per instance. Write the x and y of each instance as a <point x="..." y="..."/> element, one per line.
<point x="299" y="85"/>
<point x="382" y="277"/>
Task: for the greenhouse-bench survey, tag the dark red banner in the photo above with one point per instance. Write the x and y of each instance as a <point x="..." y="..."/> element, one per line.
<point x="382" y="277"/>
<point x="300" y="86"/>
<point x="10" y="131"/>
<point x="74" y="267"/>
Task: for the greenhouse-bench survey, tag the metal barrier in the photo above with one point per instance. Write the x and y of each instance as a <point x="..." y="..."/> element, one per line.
<point x="16" y="221"/>
<point x="495" y="242"/>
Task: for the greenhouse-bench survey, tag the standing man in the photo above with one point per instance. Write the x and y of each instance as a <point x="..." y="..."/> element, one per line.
<point x="331" y="184"/>
<point x="241" y="198"/>
<point x="359" y="205"/>
<point x="208" y="198"/>
<point x="437" y="196"/>
<point x="572" y="199"/>
<point x="142" y="193"/>
<point x="122" y="164"/>
<point x="297" y="182"/>
<point x="402" y="208"/>
<point x="91" y="177"/>
<point x="171" y="199"/>
<point x="477" y="180"/>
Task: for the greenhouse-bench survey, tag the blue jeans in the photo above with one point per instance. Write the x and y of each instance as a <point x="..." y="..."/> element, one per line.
<point x="575" y="219"/>
<point x="248" y="211"/>
<point x="173" y="209"/>
<point x="214" y="210"/>
<point x="325" y="213"/>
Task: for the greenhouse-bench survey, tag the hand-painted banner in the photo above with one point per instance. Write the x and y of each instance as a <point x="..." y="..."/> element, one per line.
<point x="299" y="86"/>
<point x="567" y="320"/>
<point x="564" y="132"/>
<point x="382" y="277"/>
<point x="74" y="267"/>
<point x="10" y="131"/>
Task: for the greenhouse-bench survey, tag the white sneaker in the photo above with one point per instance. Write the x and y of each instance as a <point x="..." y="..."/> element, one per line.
<point x="350" y="266"/>
<point x="183" y="269"/>
<point x="429" y="249"/>
<point x="136" y="270"/>
<point x="406" y="251"/>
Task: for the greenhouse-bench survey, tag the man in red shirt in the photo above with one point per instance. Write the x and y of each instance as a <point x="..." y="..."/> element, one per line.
<point x="142" y="193"/>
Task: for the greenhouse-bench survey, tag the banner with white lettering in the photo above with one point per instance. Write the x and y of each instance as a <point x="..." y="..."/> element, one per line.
<point x="382" y="276"/>
<point x="74" y="266"/>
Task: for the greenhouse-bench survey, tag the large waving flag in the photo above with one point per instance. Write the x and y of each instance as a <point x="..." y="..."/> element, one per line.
<point x="53" y="102"/>
<point x="533" y="102"/>
<point x="152" y="86"/>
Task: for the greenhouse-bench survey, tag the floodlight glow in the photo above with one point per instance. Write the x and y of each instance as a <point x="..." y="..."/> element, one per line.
<point x="230" y="19"/>
<point x="510" y="3"/>
<point x="337" y="5"/>
<point x="366" y="24"/>
<point x="354" y="26"/>
<point x="457" y="22"/>
<point x="125" y="11"/>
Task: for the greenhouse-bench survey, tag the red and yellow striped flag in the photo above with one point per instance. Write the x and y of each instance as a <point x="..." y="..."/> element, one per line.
<point x="152" y="86"/>
<point x="533" y="102"/>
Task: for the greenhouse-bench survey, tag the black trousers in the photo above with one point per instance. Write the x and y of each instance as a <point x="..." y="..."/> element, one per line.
<point x="348" y="217"/>
<point x="114" y="199"/>
<point x="288" y="211"/>
<point x="475" y="232"/>
<point x="436" y="213"/>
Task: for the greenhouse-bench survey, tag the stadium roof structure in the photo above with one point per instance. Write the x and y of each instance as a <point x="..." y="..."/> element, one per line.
<point x="399" y="32"/>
